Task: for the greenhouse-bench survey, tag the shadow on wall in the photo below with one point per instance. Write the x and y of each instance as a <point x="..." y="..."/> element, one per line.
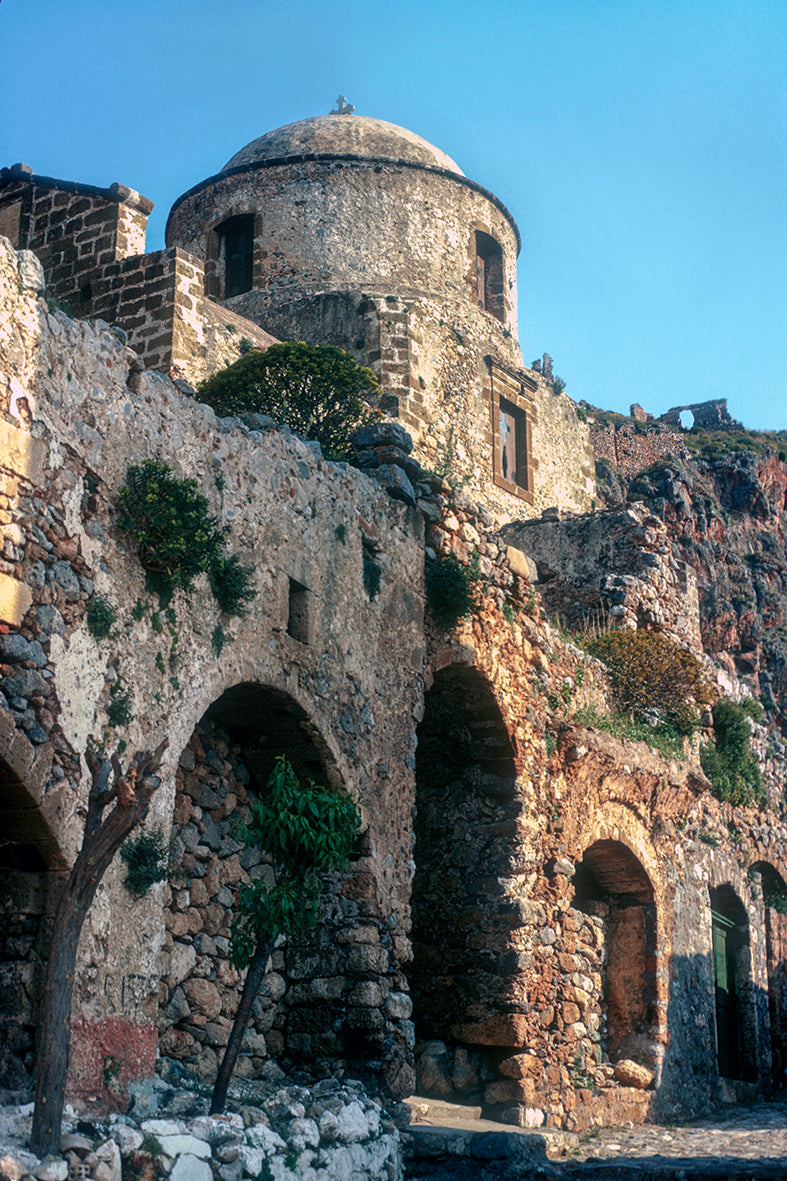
<point x="466" y="846"/>
<point x="315" y="1010"/>
<point x="31" y="872"/>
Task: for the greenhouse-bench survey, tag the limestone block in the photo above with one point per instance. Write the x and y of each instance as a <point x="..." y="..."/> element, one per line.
<point x="631" y="1074"/>
<point x="519" y="563"/>
<point x="15" y="598"/>
<point x="521" y="1066"/>
<point x="501" y="1029"/>
<point x="191" y="1168"/>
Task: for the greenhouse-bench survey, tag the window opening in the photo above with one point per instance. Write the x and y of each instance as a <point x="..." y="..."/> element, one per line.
<point x="298" y="612"/>
<point x="489" y="275"/>
<point x="237" y="248"/>
<point x="512" y="466"/>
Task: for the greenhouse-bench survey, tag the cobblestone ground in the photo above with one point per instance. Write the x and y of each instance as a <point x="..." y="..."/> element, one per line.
<point x="739" y="1144"/>
<point x="742" y="1142"/>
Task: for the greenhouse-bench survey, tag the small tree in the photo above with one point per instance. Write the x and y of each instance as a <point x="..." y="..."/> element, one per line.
<point x="308" y="830"/>
<point x="316" y="389"/>
<point x="131" y="793"/>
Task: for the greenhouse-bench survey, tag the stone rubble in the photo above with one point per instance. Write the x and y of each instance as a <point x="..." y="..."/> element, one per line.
<point x="331" y="1132"/>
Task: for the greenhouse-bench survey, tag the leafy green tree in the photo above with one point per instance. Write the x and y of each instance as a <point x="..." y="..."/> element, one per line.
<point x="307" y="829"/>
<point x="316" y="389"/>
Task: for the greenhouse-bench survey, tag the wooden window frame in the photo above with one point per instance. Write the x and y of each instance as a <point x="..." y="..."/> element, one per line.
<point x="508" y="392"/>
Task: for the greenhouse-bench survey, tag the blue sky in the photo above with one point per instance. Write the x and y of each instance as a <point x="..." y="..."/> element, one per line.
<point x="640" y="144"/>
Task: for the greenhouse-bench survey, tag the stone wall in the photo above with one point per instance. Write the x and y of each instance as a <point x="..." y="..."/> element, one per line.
<point x="632" y="451"/>
<point x="91" y="244"/>
<point x="80" y="410"/>
<point x="616" y="566"/>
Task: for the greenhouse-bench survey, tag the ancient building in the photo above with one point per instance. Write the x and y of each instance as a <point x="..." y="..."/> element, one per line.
<point x="561" y="923"/>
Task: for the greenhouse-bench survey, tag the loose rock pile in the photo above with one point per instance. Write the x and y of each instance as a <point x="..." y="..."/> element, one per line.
<point x="331" y="1132"/>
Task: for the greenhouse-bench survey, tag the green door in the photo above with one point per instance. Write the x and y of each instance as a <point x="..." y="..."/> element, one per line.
<point x="727" y="1034"/>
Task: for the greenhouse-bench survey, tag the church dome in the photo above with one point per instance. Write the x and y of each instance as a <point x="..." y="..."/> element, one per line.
<point x="343" y="136"/>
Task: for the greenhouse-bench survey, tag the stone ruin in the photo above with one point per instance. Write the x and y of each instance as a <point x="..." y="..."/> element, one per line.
<point x="540" y="917"/>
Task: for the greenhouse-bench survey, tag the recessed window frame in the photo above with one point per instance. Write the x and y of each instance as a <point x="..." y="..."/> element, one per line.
<point x="228" y="276"/>
<point x="509" y="394"/>
<point x="489" y="275"/>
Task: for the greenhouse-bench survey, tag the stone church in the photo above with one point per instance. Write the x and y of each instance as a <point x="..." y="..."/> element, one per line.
<point x="533" y="916"/>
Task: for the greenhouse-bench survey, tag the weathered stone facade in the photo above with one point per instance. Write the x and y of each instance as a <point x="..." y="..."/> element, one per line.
<point x="532" y="914"/>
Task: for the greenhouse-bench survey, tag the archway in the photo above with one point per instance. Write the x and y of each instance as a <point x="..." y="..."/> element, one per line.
<point x="29" y="875"/>
<point x="303" y="1016"/>
<point x="774" y="896"/>
<point x="735" y="1011"/>
<point x="466" y="848"/>
<point x="612" y="887"/>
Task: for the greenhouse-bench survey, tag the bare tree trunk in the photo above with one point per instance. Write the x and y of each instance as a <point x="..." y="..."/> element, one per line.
<point x="251" y="987"/>
<point x="100" y="842"/>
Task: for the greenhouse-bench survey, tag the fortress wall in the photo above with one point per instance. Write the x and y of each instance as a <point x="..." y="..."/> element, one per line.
<point x="80" y="412"/>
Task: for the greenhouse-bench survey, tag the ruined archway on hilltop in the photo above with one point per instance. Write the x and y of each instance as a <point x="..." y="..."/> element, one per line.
<point x="612" y="888"/>
<point x="774" y="896"/>
<point x="736" y="1034"/>
<point x="312" y="1011"/>
<point x="466" y="849"/>
<point x="30" y="872"/>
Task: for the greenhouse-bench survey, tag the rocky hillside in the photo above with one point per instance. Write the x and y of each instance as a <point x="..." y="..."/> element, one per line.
<point x="723" y="497"/>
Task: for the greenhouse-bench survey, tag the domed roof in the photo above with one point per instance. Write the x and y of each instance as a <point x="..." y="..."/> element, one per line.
<point x="343" y="135"/>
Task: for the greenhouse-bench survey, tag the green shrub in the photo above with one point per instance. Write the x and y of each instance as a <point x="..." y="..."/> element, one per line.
<point x="147" y="861"/>
<point x="100" y="617"/>
<point x="728" y="762"/>
<point x="231" y="584"/>
<point x="179" y="538"/>
<point x="449" y="589"/>
<point x="317" y="390"/>
<point x="650" y="672"/>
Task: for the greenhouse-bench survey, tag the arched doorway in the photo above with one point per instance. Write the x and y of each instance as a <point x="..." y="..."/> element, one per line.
<point x="774" y="896"/>
<point x="303" y="1016"/>
<point x="735" y="1011"/>
<point x="464" y="957"/>
<point x="613" y="889"/>
<point x="29" y="868"/>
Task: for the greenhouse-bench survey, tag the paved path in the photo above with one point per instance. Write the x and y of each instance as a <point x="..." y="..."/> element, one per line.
<point x="739" y="1144"/>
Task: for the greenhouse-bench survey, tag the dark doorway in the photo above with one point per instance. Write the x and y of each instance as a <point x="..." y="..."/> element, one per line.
<point x="735" y="1029"/>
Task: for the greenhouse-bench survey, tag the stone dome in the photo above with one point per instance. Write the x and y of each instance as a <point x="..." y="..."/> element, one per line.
<point x="343" y="136"/>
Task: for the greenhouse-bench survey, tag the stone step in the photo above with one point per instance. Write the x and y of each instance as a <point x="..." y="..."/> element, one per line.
<point x="440" y="1127"/>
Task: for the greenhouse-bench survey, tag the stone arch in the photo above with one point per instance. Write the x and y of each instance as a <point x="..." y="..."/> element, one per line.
<point x="612" y="887"/>
<point x="774" y="896"/>
<point x="466" y="847"/>
<point x="319" y="1006"/>
<point x="31" y="868"/>
<point x="735" y="1010"/>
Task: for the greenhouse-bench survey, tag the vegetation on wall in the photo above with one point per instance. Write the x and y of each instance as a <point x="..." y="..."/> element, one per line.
<point x="147" y="861"/>
<point x="728" y="761"/>
<point x="308" y="829"/>
<point x="651" y="674"/>
<point x="100" y="617"/>
<point x="317" y="390"/>
<point x="450" y="589"/>
<point x="178" y="537"/>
